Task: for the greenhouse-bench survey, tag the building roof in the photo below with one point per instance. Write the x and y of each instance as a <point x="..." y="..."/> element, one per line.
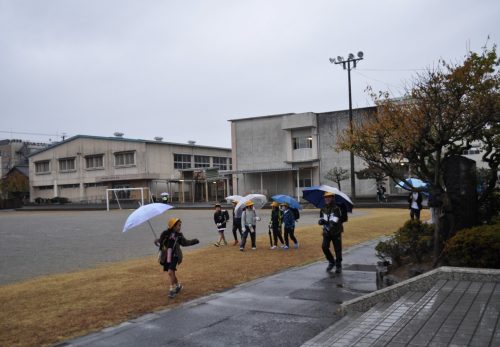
<point x="122" y="139"/>
<point x="290" y="114"/>
<point x="23" y="169"/>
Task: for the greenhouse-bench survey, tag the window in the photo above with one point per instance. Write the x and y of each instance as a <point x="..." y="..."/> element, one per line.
<point x="96" y="184"/>
<point x="44" y="187"/>
<point x="67" y="164"/>
<point x="69" y="186"/>
<point x="124" y="159"/>
<point x="220" y="162"/>
<point x="42" y="166"/>
<point x="182" y="161"/>
<point x="302" y="142"/>
<point x="473" y="150"/>
<point x="230" y="163"/>
<point x="94" y="161"/>
<point x="303" y="182"/>
<point x="201" y="161"/>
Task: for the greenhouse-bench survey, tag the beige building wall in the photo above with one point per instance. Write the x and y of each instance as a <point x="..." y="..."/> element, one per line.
<point x="152" y="161"/>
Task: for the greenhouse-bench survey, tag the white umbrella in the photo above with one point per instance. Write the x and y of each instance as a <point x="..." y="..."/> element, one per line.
<point x="144" y="214"/>
<point x="164" y="194"/>
<point x="258" y="200"/>
<point x="232" y="198"/>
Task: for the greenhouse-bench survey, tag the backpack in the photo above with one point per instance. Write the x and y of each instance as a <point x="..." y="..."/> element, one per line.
<point x="296" y="213"/>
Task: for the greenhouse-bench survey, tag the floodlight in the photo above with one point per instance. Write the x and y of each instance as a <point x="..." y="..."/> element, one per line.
<point x="340" y="59"/>
<point x="351" y="56"/>
<point x="360" y="55"/>
<point x="332" y="60"/>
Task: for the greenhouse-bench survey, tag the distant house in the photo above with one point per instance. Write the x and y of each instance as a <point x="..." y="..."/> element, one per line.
<point x="83" y="167"/>
<point x="15" y="184"/>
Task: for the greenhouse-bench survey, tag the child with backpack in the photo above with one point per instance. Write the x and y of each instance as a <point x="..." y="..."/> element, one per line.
<point x="289" y="224"/>
<point x="170" y="243"/>
<point x="220" y="219"/>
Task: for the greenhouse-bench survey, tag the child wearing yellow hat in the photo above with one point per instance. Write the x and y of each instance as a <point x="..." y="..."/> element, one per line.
<point x="249" y="220"/>
<point x="170" y="242"/>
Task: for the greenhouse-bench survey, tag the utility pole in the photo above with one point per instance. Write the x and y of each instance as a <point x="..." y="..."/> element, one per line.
<point x="348" y="64"/>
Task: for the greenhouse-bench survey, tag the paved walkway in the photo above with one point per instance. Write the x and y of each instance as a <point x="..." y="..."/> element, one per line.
<point x="285" y="309"/>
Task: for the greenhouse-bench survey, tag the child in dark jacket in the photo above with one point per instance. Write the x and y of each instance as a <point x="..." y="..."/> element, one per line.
<point x="171" y="241"/>
<point x="289" y="224"/>
<point x="220" y="219"/>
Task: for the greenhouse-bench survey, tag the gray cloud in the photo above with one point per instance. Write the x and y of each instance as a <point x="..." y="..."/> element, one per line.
<point x="180" y="69"/>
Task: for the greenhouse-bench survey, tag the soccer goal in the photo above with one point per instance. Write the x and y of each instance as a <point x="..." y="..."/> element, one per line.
<point x="128" y="194"/>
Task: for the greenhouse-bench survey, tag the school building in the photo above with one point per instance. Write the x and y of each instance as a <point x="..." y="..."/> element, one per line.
<point x="83" y="167"/>
<point x="282" y="154"/>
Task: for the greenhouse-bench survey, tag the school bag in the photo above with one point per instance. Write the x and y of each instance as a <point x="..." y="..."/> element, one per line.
<point x="296" y="213"/>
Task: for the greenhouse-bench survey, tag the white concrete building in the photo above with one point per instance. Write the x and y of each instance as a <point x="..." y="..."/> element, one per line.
<point x="82" y="167"/>
<point x="282" y="154"/>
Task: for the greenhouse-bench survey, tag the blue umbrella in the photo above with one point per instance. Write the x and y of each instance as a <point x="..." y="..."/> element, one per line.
<point x="315" y="195"/>
<point x="410" y="183"/>
<point x="291" y="202"/>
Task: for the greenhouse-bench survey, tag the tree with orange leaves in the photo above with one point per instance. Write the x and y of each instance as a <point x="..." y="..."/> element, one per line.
<point x="445" y="110"/>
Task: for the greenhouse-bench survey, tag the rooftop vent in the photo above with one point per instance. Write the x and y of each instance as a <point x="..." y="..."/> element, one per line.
<point x="118" y="134"/>
<point x="158" y="138"/>
<point x="191" y="142"/>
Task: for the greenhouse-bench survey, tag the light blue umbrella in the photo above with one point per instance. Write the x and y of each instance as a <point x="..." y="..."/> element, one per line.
<point x="291" y="202"/>
<point x="412" y="183"/>
<point x="144" y="214"/>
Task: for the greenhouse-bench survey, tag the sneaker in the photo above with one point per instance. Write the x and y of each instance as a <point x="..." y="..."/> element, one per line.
<point x="285" y="247"/>
<point x="254" y="248"/>
<point x="241" y="249"/>
<point x="296" y="246"/>
<point x="225" y="243"/>
<point x="330" y="267"/>
<point x="178" y="288"/>
<point x="171" y="293"/>
<point x="216" y="244"/>
<point x="273" y="247"/>
<point x="235" y="242"/>
<point x="338" y="269"/>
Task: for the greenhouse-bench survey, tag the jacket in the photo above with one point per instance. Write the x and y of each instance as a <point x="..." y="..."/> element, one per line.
<point x="332" y="217"/>
<point x="276" y="218"/>
<point x="419" y="200"/>
<point x="244" y="217"/>
<point x="220" y="218"/>
<point x="288" y="219"/>
<point x="172" y="242"/>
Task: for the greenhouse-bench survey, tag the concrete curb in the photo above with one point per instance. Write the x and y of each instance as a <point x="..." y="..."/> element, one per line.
<point x="422" y="282"/>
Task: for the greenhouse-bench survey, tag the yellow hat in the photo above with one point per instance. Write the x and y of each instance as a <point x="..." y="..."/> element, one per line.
<point x="284" y="204"/>
<point x="274" y="204"/>
<point x="249" y="203"/>
<point x="328" y="194"/>
<point x="172" y="222"/>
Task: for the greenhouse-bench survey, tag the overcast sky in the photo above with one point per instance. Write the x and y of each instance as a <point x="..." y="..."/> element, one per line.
<point x="181" y="69"/>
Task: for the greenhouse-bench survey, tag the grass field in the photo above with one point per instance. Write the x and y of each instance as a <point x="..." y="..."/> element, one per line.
<point x="54" y="308"/>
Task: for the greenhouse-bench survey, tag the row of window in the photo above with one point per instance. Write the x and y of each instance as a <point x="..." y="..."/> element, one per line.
<point x="184" y="161"/>
<point x="74" y="185"/>
<point x="91" y="162"/>
<point x="181" y="161"/>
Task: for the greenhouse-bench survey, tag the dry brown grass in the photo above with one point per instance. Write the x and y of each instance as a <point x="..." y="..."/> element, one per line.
<point x="54" y="308"/>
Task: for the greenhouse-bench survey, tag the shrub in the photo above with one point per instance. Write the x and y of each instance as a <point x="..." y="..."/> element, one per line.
<point x="59" y="200"/>
<point x="413" y="239"/>
<point x="474" y="247"/>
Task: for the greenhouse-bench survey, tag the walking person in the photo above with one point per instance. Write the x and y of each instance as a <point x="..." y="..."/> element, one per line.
<point x="275" y="225"/>
<point x="289" y="224"/>
<point x="415" y="204"/>
<point x="236" y="223"/>
<point x="170" y="243"/>
<point x="220" y="219"/>
<point x="332" y="217"/>
<point x="249" y="220"/>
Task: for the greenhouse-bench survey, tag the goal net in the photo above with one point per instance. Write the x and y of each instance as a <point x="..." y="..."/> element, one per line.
<point x="127" y="195"/>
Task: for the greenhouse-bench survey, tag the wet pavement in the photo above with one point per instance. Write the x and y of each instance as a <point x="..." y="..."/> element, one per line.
<point x="284" y="309"/>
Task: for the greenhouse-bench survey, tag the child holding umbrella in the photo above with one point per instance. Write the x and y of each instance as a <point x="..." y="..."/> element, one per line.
<point x="170" y="243"/>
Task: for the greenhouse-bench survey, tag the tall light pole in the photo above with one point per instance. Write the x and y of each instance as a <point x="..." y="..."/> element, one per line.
<point x="348" y="64"/>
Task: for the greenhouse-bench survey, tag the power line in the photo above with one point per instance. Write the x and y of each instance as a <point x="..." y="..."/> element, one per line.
<point x="23" y="133"/>
<point x="392" y="69"/>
